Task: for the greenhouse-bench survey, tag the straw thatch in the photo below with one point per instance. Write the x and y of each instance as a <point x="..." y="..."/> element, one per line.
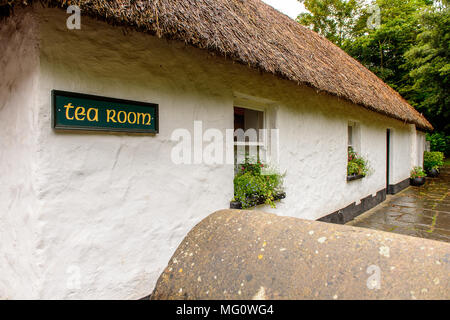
<point x="255" y="34"/>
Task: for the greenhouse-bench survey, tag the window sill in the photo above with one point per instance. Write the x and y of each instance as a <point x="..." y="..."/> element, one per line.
<point x="354" y="177"/>
<point x="257" y="202"/>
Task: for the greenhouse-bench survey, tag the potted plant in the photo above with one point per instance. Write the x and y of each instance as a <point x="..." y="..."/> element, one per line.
<point x="417" y="177"/>
<point x="432" y="161"/>
<point x="433" y="172"/>
<point x="357" y="166"/>
<point x="255" y="184"/>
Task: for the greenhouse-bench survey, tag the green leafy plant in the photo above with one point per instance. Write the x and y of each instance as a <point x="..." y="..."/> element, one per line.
<point x="432" y="160"/>
<point x="255" y="182"/>
<point x="357" y="165"/>
<point x="417" y="172"/>
<point x="439" y="142"/>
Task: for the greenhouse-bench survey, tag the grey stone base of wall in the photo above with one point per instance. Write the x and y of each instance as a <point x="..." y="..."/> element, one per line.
<point x="396" y="188"/>
<point x="352" y="211"/>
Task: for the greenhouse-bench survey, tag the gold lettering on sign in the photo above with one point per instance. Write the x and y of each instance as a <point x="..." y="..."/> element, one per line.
<point x="108" y="115"/>
<point x="68" y="107"/>
<point x="124" y="117"/>
<point x="95" y="111"/>
<point x="143" y="116"/>
<point x="80" y="113"/>
<point x="128" y="117"/>
<point x="134" y="117"/>
<point x="92" y="114"/>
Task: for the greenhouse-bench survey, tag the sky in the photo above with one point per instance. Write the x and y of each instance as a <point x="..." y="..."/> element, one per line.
<point x="289" y="7"/>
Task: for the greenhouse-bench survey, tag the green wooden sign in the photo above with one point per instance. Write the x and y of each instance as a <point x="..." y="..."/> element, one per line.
<point x="75" y="111"/>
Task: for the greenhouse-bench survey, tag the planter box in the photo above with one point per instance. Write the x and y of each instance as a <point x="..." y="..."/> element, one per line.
<point x="257" y="201"/>
<point x="355" y="177"/>
<point x="417" y="182"/>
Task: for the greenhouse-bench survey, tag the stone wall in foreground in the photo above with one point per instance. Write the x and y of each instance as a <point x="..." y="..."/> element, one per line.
<point x="255" y="255"/>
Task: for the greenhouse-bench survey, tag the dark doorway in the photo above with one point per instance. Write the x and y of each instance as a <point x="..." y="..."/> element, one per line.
<point x="388" y="156"/>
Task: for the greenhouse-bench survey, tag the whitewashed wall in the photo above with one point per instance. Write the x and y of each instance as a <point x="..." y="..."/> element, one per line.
<point x="112" y="208"/>
<point x="421" y="147"/>
<point x="116" y="207"/>
<point x="19" y="224"/>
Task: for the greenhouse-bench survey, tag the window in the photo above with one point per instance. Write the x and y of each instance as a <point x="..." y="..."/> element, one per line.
<point x="350" y="136"/>
<point x="354" y="136"/>
<point x="357" y="166"/>
<point x="249" y="136"/>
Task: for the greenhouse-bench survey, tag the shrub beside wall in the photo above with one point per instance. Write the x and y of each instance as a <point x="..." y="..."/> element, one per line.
<point x="439" y="142"/>
<point x="432" y="160"/>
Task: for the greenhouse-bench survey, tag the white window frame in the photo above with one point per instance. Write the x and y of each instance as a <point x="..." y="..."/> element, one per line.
<point x="261" y="136"/>
<point x="269" y="109"/>
<point x="356" y="136"/>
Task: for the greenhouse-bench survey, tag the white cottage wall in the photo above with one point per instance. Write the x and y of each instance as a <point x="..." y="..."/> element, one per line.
<point x="113" y="207"/>
<point x="116" y="206"/>
<point x="19" y="224"/>
<point x="421" y="146"/>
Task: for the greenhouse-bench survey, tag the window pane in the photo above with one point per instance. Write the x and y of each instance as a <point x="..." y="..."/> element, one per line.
<point x="251" y="122"/>
<point x="350" y="135"/>
<point x="239" y="122"/>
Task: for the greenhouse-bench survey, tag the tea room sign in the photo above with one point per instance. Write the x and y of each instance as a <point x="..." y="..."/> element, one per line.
<point x="75" y="111"/>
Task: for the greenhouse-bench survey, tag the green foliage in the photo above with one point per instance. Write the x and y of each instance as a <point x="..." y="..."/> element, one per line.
<point x="409" y="50"/>
<point x="417" y="172"/>
<point x="382" y="49"/>
<point x="357" y="165"/>
<point x="433" y="160"/>
<point x="428" y="64"/>
<point x="439" y="142"/>
<point x="334" y="19"/>
<point x="352" y="169"/>
<point x="255" y="182"/>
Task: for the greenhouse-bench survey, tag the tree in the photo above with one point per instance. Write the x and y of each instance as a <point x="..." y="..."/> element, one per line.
<point x="408" y="49"/>
<point x="381" y="46"/>
<point x="428" y="66"/>
<point x="382" y="49"/>
<point x="333" y="19"/>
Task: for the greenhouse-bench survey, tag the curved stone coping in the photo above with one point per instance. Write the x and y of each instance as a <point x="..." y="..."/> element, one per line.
<point x="236" y="254"/>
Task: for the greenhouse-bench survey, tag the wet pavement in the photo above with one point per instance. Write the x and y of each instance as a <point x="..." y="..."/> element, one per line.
<point x="416" y="211"/>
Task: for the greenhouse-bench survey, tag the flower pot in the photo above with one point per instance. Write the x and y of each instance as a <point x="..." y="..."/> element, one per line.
<point x="256" y="200"/>
<point x="355" y="177"/>
<point x="280" y="196"/>
<point x="235" y="205"/>
<point x="433" y="173"/>
<point x="417" y="182"/>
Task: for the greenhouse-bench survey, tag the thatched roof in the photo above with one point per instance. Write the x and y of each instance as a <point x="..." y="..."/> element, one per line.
<point x="253" y="33"/>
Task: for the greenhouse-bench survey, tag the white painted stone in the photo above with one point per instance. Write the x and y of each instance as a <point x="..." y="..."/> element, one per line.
<point x="19" y="184"/>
